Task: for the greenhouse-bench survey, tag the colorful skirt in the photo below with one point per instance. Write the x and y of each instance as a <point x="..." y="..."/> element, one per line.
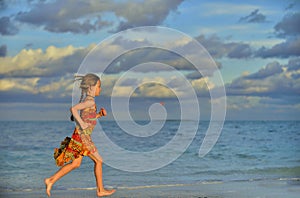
<point x="80" y="144"/>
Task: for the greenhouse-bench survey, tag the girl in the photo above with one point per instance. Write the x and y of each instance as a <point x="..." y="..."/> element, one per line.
<point x="81" y="143"/>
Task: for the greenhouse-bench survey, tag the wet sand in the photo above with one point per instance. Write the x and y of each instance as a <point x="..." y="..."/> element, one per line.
<point x="237" y="189"/>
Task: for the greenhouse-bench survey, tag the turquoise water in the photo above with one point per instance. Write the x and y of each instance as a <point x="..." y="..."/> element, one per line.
<point x="246" y="150"/>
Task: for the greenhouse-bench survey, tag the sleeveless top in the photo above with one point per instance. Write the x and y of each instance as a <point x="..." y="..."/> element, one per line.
<point x="88" y="115"/>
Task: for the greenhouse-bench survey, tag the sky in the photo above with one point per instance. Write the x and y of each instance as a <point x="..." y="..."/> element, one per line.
<point x="255" y="45"/>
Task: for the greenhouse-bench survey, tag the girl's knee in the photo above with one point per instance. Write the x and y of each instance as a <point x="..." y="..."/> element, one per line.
<point x="98" y="161"/>
<point x="76" y="164"/>
<point x="96" y="158"/>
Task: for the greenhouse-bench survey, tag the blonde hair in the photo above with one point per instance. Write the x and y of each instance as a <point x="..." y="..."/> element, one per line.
<point x="86" y="82"/>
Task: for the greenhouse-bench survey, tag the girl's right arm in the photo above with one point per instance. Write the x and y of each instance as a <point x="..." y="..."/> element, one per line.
<point x="83" y="105"/>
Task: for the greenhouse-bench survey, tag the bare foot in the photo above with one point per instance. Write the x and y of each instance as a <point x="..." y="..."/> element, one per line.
<point x="48" y="186"/>
<point x="105" y="192"/>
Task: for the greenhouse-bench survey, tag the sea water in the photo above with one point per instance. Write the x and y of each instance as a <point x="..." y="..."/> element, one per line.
<point x="245" y="150"/>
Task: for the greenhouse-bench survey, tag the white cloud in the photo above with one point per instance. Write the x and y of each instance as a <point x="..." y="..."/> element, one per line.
<point x="16" y="85"/>
<point x="60" y="88"/>
<point x="32" y="58"/>
<point x="36" y="62"/>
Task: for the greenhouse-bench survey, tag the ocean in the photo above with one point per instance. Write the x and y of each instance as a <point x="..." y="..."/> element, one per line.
<point x="245" y="151"/>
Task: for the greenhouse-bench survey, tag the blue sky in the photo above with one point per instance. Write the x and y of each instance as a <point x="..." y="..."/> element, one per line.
<point x="256" y="44"/>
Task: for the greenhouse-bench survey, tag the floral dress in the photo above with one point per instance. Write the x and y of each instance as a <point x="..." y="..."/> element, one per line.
<point x="81" y="143"/>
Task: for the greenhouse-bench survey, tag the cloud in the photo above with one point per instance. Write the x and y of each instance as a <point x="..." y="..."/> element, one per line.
<point x="242" y="102"/>
<point x="150" y="57"/>
<point x="194" y="75"/>
<point x="254" y="17"/>
<point x="59" y="89"/>
<point x="149" y="13"/>
<point x="260" y="108"/>
<point x="239" y="50"/>
<point x="38" y="63"/>
<point x="289" y="29"/>
<point x="3" y="50"/>
<point x="89" y="15"/>
<point x="269" y="70"/>
<point x="274" y="81"/>
<point x="286" y="49"/>
<point x="217" y="48"/>
<point x="7" y="27"/>
<point x="36" y="89"/>
<point x="53" y="68"/>
<point x="294" y="65"/>
<point x="289" y="26"/>
<point x="19" y="85"/>
<point x="66" y="16"/>
<point x="154" y="90"/>
<point x="167" y="85"/>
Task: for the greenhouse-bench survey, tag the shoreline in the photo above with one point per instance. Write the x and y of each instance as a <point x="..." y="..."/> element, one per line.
<point x="284" y="187"/>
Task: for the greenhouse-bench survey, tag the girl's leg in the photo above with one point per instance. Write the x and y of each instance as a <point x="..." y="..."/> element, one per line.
<point x="60" y="173"/>
<point x="101" y="191"/>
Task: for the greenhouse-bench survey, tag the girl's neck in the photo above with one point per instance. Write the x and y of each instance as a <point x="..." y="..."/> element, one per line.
<point x="90" y="96"/>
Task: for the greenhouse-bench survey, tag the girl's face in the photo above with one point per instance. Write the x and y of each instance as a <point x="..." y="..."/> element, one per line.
<point x="98" y="88"/>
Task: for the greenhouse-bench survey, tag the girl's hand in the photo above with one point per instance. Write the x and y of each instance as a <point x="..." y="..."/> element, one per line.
<point x="84" y="125"/>
<point x="103" y="112"/>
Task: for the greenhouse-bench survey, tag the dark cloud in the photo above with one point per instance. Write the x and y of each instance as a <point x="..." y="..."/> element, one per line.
<point x="194" y="75"/>
<point x="273" y="81"/>
<point x="239" y="50"/>
<point x="86" y="15"/>
<point x="294" y="64"/>
<point x="64" y="16"/>
<point x="3" y="50"/>
<point x="144" y="13"/>
<point x="270" y="70"/>
<point x="84" y="27"/>
<point x="289" y="29"/>
<point x="289" y="26"/>
<point x="218" y="48"/>
<point x="151" y="55"/>
<point x="254" y="17"/>
<point x="146" y="55"/>
<point x="287" y="49"/>
<point x="7" y="27"/>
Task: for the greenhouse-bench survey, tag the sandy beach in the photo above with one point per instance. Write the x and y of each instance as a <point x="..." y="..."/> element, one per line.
<point x="289" y="188"/>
